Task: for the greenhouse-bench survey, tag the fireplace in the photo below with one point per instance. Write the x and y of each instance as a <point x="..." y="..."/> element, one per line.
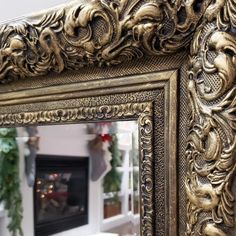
<point x="60" y="193"/>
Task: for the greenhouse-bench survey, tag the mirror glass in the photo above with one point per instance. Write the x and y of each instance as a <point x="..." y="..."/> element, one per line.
<point x="85" y="178"/>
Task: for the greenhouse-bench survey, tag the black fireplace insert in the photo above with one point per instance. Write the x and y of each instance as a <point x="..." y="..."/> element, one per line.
<point x="60" y="193"/>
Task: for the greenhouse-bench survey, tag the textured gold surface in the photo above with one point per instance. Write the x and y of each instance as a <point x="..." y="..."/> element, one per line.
<point x="86" y="89"/>
<point x="212" y="138"/>
<point x="106" y="33"/>
<point x="93" y="73"/>
<point x="96" y="32"/>
<point x="153" y="104"/>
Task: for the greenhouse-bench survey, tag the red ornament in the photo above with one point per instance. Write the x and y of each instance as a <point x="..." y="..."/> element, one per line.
<point x="106" y="137"/>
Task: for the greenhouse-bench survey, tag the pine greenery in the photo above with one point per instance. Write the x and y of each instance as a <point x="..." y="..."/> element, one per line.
<point x="9" y="179"/>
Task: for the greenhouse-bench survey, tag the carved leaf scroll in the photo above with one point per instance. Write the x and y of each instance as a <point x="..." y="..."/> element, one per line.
<point x="108" y="32"/>
<point x="211" y="147"/>
<point x="96" y="32"/>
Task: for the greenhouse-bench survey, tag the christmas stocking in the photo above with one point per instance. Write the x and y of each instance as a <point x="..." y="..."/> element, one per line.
<point x="100" y="158"/>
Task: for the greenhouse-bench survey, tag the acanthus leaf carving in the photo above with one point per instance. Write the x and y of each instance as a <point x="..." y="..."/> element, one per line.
<point x="69" y="39"/>
<point x="97" y="32"/>
<point x="212" y="140"/>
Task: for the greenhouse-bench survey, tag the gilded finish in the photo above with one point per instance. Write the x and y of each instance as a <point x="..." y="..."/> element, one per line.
<point x="96" y="32"/>
<point x="86" y="89"/>
<point x="128" y="110"/>
<point x="68" y="38"/>
<point x="212" y="138"/>
<point x="145" y="123"/>
<point x="127" y="98"/>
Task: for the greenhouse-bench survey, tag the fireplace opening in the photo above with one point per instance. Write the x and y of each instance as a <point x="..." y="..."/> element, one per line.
<point x="60" y="193"/>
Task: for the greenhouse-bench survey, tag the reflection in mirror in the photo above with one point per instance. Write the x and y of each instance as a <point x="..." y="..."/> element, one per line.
<point x="86" y="178"/>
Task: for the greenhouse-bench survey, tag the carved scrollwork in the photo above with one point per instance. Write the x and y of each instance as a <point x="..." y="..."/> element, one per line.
<point x="96" y="32"/>
<point x="129" y="110"/>
<point x="108" y="32"/>
<point x="146" y="136"/>
<point x="212" y="140"/>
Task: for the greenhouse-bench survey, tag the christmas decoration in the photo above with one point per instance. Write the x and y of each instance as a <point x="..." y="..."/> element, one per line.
<point x="100" y="157"/>
<point x="31" y="148"/>
<point x="9" y="179"/>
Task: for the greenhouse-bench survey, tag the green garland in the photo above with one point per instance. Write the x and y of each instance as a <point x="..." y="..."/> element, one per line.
<point x="9" y="179"/>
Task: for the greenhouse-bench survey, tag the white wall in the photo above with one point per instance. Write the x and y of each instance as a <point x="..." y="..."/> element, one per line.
<point x="3" y="222"/>
<point x="27" y="193"/>
<point x="13" y="9"/>
<point x="66" y="140"/>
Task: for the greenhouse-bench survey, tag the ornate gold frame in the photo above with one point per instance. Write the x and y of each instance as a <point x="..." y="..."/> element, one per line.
<point x="67" y="37"/>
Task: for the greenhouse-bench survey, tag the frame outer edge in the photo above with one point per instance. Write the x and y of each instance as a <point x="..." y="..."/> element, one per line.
<point x="211" y="143"/>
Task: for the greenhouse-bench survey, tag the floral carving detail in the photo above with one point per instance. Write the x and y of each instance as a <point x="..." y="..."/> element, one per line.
<point x="97" y="32"/>
<point x="108" y="32"/>
<point x="212" y="140"/>
<point x="211" y="165"/>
